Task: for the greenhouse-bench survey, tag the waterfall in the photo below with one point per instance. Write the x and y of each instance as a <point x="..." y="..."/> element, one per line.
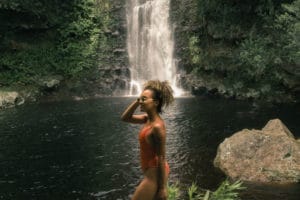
<point x="150" y="44"/>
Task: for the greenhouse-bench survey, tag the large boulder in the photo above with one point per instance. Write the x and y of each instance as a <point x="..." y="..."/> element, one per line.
<point x="268" y="155"/>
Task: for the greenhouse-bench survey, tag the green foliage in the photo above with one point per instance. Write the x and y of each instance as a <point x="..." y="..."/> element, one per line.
<point x="192" y="192"/>
<point x="62" y="38"/>
<point x="287" y="27"/>
<point x="102" y="8"/>
<point x="226" y="191"/>
<point x="195" y="50"/>
<point x="25" y="5"/>
<point x="263" y="57"/>
<point x="16" y="67"/>
<point x="52" y="12"/>
<point x="254" y="58"/>
<point x="244" y="49"/>
<point x="173" y="192"/>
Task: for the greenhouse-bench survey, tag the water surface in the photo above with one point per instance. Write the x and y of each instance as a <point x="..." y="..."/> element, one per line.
<point x="81" y="150"/>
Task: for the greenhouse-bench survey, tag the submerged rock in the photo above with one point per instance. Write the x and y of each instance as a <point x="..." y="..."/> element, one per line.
<point x="10" y="99"/>
<point x="50" y="82"/>
<point x="268" y="155"/>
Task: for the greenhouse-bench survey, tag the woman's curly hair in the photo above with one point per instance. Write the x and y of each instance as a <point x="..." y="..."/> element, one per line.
<point x="162" y="92"/>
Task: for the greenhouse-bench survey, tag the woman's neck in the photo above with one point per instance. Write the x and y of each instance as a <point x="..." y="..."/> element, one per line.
<point x="152" y="116"/>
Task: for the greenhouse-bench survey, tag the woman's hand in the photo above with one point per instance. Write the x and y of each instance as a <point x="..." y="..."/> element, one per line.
<point x="162" y="194"/>
<point x="128" y="115"/>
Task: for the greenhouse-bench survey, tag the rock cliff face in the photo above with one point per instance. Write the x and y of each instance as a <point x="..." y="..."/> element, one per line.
<point x="112" y="75"/>
<point x="268" y="155"/>
<point x="113" y="69"/>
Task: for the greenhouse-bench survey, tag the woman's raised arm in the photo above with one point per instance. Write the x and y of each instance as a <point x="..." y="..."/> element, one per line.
<point x="128" y="114"/>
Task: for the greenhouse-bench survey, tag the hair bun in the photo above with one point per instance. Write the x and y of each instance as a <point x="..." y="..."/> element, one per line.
<point x="162" y="91"/>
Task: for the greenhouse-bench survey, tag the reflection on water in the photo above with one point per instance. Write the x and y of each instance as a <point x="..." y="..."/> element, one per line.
<point x="81" y="150"/>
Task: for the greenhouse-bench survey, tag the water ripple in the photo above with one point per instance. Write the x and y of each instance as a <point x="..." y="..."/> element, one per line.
<point x="81" y="149"/>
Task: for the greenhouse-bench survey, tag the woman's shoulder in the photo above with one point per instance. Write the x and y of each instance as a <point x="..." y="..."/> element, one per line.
<point x="159" y="125"/>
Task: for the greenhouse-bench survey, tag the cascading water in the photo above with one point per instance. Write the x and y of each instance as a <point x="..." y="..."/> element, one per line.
<point x="150" y="44"/>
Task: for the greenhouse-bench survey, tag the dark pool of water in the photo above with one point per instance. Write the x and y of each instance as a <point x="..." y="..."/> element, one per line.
<point x="81" y="150"/>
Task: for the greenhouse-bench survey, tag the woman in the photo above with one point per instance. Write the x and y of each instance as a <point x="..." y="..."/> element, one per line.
<point x="152" y="138"/>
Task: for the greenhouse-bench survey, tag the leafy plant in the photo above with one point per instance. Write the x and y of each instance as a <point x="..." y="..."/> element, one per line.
<point x="195" y="50"/>
<point x="173" y="192"/>
<point x="254" y="58"/>
<point x="192" y="192"/>
<point x="226" y="191"/>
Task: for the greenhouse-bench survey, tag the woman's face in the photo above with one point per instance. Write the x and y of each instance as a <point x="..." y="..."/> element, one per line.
<point x="147" y="102"/>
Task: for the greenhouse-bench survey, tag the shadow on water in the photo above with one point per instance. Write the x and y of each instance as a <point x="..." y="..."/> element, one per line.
<point x="81" y="150"/>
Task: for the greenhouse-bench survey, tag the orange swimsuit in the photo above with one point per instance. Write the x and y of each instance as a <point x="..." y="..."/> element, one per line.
<point x="149" y="158"/>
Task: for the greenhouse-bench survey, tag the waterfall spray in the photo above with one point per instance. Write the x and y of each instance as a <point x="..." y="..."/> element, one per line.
<point x="150" y="44"/>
